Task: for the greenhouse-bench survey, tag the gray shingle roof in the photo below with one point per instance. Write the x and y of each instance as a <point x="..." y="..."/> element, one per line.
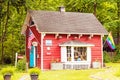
<point x="67" y="22"/>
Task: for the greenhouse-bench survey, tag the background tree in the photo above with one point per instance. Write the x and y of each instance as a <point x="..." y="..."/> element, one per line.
<point x="13" y="13"/>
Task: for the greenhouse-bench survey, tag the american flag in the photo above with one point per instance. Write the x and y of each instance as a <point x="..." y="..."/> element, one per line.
<point x="30" y="37"/>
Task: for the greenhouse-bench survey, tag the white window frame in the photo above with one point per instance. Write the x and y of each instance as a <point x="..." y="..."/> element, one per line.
<point x="48" y="42"/>
<point x="64" y="54"/>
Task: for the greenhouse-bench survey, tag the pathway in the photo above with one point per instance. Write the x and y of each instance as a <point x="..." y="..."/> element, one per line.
<point x="106" y="75"/>
<point x="25" y="77"/>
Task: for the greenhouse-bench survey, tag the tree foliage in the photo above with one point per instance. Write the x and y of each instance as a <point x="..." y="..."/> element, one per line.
<point x="13" y="12"/>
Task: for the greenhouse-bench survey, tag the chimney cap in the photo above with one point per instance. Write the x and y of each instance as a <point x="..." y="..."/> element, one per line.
<point x="62" y="9"/>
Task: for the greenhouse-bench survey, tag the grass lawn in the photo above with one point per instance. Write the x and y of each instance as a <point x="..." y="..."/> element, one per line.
<point x="16" y="75"/>
<point x="105" y="74"/>
<point x="69" y="74"/>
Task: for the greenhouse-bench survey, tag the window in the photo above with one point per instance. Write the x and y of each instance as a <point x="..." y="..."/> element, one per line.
<point x="78" y="53"/>
<point x="48" y="42"/>
<point x="68" y="53"/>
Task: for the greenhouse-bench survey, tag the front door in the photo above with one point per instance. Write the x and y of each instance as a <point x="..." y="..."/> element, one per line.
<point x="32" y="57"/>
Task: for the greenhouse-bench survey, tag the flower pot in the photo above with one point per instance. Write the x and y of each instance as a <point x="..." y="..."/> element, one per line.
<point x="7" y="77"/>
<point x="34" y="77"/>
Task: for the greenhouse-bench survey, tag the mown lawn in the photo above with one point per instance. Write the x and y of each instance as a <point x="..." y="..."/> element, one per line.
<point x="69" y="74"/>
<point x="104" y="73"/>
<point x="16" y="76"/>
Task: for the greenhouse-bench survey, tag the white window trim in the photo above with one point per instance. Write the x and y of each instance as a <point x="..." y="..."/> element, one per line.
<point x="64" y="55"/>
<point x="34" y="56"/>
<point x="63" y="52"/>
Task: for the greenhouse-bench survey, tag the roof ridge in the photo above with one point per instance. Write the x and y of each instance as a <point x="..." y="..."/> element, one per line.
<point x="57" y="11"/>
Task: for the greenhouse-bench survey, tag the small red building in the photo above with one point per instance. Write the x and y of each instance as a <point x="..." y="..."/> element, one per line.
<point x="70" y="38"/>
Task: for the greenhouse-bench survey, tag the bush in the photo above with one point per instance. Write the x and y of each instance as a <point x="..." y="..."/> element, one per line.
<point x="35" y="71"/>
<point x="117" y="56"/>
<point x="7" y="70"/>
<point x="21" y="65"/>
<point x="106" y="57"/>
<point x="7" y="60"/>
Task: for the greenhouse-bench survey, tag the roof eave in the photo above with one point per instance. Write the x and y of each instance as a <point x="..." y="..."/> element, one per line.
<point x="79" y="45"/>
<point x="74" y="33"/>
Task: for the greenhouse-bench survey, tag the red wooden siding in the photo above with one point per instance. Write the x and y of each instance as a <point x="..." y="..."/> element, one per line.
<point x="27" y="50"/>
<point x="55" y="48"/>
<point x="37" y="39"/>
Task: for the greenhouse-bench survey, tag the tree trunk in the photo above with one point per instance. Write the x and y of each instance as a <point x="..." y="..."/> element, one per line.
<point x="118" y="26"/>
<point x="4" y="32"/>
<point x="13" y="54"/>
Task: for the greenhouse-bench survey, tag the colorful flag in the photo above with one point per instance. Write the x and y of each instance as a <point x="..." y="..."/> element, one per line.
<point x="110" y="41"/>
<point x="30" y="37"/>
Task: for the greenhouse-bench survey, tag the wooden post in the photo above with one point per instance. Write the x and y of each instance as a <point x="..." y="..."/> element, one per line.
<point x="26" y="66"/>
<point x="16" y="59"/>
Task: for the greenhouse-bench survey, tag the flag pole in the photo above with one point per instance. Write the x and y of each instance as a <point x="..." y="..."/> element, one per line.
<point x="110" y="41"/>
<point x="106" y="38"/>
<point x="105" y="41"/>
<point x="35" y="37"/>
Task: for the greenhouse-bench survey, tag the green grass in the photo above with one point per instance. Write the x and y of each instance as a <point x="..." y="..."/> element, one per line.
<point x="15" y="76"/>
<point x="105" y="73"/>
<point x="69" y="74"/>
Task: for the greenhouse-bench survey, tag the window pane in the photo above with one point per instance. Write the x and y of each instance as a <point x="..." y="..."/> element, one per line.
<point x="80" y="54"/>
<point x="68" y="53"/>
<point x="48" y="42"/>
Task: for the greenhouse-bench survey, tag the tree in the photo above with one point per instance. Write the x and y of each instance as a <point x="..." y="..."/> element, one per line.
<point x="118" y="23"/>
<point x="6" y="14"/>
<point x="13" y="12"/>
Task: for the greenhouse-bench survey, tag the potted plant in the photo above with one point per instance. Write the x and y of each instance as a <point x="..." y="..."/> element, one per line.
<point x="34" y="73"/>
<point x="7" y="73"/>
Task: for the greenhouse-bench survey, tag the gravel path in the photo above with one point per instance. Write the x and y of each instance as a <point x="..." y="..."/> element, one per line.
<point x="106" y="75"/>
<point x="25" y="77"/>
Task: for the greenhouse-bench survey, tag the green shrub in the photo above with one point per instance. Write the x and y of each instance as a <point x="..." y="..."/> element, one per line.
<point x="34" y="71"/>
<point x="117" y="56"/>
<point x="106" y="57"/>
<point x="21" y="65"/>
<point x="8" y="70"/>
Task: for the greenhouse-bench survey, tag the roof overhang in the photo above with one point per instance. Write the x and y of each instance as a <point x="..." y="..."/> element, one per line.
<point x="76" y="43"/>
<point x="74" y="33"/>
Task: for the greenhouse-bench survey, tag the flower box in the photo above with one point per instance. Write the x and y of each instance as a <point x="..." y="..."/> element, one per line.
<point x="96" y="64"/>
<point x="56" y="66"/>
